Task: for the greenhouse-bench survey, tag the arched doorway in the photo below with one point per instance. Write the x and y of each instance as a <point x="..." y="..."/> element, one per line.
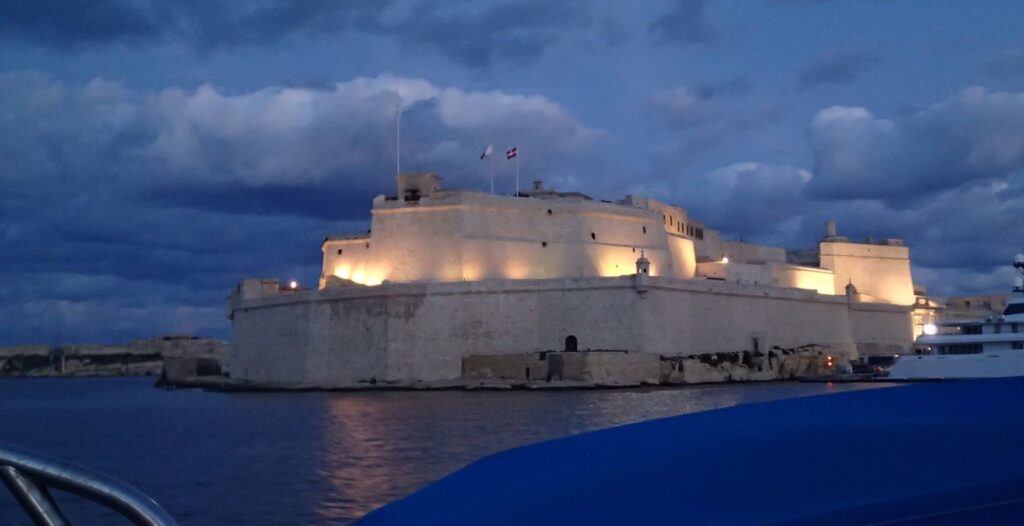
<point x="571" y="344"/>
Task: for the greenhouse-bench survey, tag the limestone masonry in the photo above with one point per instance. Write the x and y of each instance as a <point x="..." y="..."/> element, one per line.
<point x="445" y="277"/>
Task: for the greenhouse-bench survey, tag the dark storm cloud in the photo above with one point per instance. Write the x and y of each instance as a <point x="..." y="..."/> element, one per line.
<point x="974" y="137"/>
<point x="64" y="24"/>
<point x="205" y="23"/>
<point x="517" y="32"/>
<point x="148" y="207"/>
<point x="1008" y="67"/>
<point x="330" y="199"/>
<point x="727" y="88"/>
<point x="470" y="33"/>
<point x="685" y="22"/>
<point x="836" y="66"/>
<point x="948" y="179"/>
<point x="711" y="115"/>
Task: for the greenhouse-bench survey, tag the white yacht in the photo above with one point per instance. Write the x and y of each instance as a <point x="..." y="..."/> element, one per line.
<point x="982" y="348"/>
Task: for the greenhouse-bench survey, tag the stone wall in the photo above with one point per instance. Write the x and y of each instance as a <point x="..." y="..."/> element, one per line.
<point x="403" y="333"/>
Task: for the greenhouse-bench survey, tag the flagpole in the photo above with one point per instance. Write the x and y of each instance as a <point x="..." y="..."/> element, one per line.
<point x="398" y="138"/>
<point x="517" y="169"/>
<point x="492" y="174"/>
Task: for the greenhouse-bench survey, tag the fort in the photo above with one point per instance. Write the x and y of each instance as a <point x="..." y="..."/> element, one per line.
<point x="451" y="285"/>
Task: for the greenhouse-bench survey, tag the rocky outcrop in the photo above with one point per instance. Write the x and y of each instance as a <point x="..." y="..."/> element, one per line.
<point x="622" y="368"/>
<point x="746" y="366"/>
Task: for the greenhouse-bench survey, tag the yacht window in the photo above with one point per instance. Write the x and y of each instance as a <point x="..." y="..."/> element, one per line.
<point x="967" y="348"/>
<point x="970" y="329"/>
<point x="1018" y="345"/>
<point x="1014" y="308"/>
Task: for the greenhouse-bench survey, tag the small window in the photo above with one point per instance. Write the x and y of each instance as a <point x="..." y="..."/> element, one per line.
<point x="1014" y="327"/>
<point x="367" y="245"/>
<point x="543" y="243"/>
<point x="1018" y="345"/>
<point x="339" y="251"/>
<point x="593" y="236"/>
<point x="549" y="211"/>
<point x="645" y="229"/>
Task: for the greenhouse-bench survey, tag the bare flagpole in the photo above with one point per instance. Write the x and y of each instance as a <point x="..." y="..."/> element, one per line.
<point x="517" y="168"/>
<point x="398" y="138"/>
<point x="492" y="174"/>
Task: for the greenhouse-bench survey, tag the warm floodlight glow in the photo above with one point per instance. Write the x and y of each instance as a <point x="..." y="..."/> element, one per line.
<point x="931" y="329"/>
<point x="293" y="285"/>
<point x="725" y="259"/>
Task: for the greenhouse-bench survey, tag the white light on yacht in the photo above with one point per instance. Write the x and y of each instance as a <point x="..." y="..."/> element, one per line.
<point x="725" y="259"/>
<point x="293" y="285"/>
<point x="931" y="329"/>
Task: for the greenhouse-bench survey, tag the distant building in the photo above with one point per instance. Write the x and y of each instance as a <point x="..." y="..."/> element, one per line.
<point x="446" y="273"/>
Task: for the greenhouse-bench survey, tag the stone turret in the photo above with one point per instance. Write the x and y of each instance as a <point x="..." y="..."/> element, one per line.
<point x="643" y="270"/>
<point x="643" y="265"/>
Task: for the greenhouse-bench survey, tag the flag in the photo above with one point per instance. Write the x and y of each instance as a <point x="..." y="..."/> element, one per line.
<point x="487" y="151"/>
<point x="512" y="153"/>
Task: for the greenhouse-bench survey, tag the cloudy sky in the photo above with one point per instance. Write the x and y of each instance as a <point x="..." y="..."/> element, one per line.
<point x="153" y="153"/>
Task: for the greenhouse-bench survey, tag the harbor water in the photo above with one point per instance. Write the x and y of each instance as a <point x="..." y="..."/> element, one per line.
<point x="309" y="458"/>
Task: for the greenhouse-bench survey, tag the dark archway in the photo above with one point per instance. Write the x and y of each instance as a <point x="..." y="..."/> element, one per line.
<point x="571" y="345"/>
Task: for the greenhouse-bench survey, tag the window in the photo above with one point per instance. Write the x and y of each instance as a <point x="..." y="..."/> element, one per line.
<point x="967" y="348"/>
<point x="339" y="253"/>
<point x="593" y="236"/>
<point x="1017" y="345"/>
<point x="543" y="243"/>
<point x="1014" y="308"/>
<point x="970" y="329"/>
<point x="645" y="229"/>
<point x="549" y="211"/>
<point x="1014" y="327"/>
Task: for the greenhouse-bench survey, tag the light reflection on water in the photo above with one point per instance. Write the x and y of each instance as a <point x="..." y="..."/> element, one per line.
<point x="382" y="446"/>
<point x="311" y="458"/>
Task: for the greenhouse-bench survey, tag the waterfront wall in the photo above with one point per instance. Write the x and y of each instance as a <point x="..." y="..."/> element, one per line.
<point x="421" y="332"/>
<point x="136" y="358"/>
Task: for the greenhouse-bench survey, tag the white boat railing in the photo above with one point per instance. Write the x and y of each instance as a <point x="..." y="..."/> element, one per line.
<point x="29" y="476"/>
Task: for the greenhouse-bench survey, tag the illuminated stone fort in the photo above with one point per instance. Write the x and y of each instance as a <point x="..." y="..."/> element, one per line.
<point x="444" y="274"/>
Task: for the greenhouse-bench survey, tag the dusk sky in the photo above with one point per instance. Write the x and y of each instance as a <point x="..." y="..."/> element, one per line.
<point x="153" y="153"/>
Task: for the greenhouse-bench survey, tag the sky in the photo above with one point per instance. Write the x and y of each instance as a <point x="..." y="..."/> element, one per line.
<point x="153" y="154"/>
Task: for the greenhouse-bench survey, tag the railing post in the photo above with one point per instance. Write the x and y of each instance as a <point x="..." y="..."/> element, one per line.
<point x="35" y="500"/>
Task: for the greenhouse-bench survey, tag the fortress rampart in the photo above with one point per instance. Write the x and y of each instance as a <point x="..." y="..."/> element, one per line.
<point x="448" y="274"/>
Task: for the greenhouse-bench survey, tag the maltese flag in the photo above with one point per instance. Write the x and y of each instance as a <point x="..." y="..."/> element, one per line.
<point x="487" y="151"/>
<point x="512" y="153"/>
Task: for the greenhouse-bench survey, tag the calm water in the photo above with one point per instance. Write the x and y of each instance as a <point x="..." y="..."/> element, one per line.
<point x="308" y="458"/>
